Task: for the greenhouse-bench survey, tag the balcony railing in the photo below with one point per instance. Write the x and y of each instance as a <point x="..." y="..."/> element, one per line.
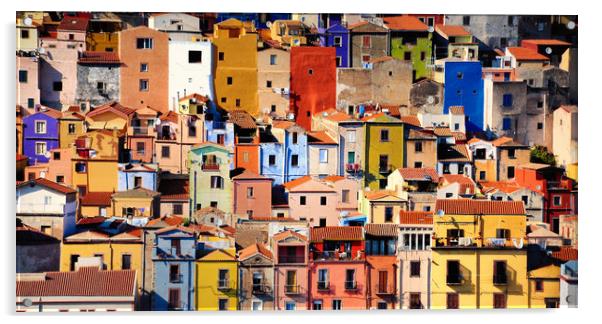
<point x="352" y="167"/>
<point x="500" y="279"/>
<point x="139" y="130"/>
<point x="291" y="259"/>
<point x="454" y="280"/>
<point x="210" y="167"/>
<point x="335" y="256"/>
<point x="385" y="289"/>
<point x="166" y="137"/>
<point x="292" y="289"/>
<point x="30" y="208"/>
<point x="262" y="289"/>
<point x="176" y="278"/>
<point x="351" y="285"/>
<point x="323" y="285"/>
<point x="223" y="284"/>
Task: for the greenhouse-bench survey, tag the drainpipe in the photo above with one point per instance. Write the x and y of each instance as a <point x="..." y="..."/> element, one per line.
<point x="144" y="298"/>
<point x="401" y="282"/>
<point x="428" y="289"/>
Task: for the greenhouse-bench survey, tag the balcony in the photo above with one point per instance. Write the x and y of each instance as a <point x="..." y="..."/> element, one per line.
<point x="352" y="167"/>
<point x="261" y="289"/>
<point x="292" y="289"/>
<point x="323" y="286"/>
<point x="166" y="137"/>
<point x="385" y="289"/>
<point x="294" y="259"/>
<point x="351" y="285"/>
<point x="31" y="208"/>
<point x="139" y="130"/>
<point x="210" y="167"/>
<point x="500" y="279"/>
<point x="223" y="284"/>
<point x="454" y="280"/>
<point x="335" y="256"/>
<point x="385" y="169"/>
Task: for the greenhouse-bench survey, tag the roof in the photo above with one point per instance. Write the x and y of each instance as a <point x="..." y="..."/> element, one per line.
<point x="293" y="183"/>
<point x="405" y="23"/>
<point x="99" y="198"/>
<point x="456" y="110"/>
<point x="53" y="113"/>
<point x="551" y="42"/>
<point x="534" y="166"/>
<point x="87" y="281"/>
<point x="420" y="134"/>
<point x="196" y="96"/>
<point x="288" y="233"/>
<point x="382" y="117"/>
<point x="250" y="175"/>
<point x="372" y="195"/>
<point x="320" y="137"/>
<point x="165" y="221"/>
<point x="253" y="249"/>
<point x="467" y="185"/>
<point x="27" y="235"/>
<point x="336" y="116"/>
<point x="442" y="131"/>
<point x="565" y="254"/>
<point x="569" y="109"/>
<point x="453" y="153"/>
<point x="73" y="23"/>
<point x="503" y="186"/>
<point x="242" y="119"/>
<point x="283" y="124"/>
<point x="480" y="207"/>
<point x="176" y="228"/>
<point x="382" y="229"/>
<point x="111" y="106"/>
<point x="526" y="54"/>
<point x="381" y="59"/>
<point x="410" y="120"/>
<point x="174" y="189"/>
<point x="209" y="210"/>
<point x="419" y="174"/>
<point x="541" y="232"/>
<point x="358" y="24"/>
<point x="48" y="184"/>
<point x="333" y="178"/>
<point x="452" y="30"/>
<point x="336" y="233"/>
<point x="415" y="217"/>
<point x="90" y="57"/>
<point x="136" y="193"/>
<point x="218" y="255"/>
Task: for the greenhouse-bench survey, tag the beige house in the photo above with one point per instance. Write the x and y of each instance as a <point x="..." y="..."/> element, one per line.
<point x="137" y="204"/>
<point x="273" y="81"/>
<point x="381" y="207"/>
<point x="564" y="138"/>
<point x="323" y="154"/>
<point x="417" y="185"/>
<point x="421" y="149"/>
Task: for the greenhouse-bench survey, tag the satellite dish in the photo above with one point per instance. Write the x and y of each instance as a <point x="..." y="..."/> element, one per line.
<point x="548" y="50"/>
<point x="570" y="25"/>
<point x="47" y="154"/>
<point x="41" y="50"/>
<point x="27" y="21"/>
<point x="268" y="24"/>
<point x="27" y="302"/>
<point x="431" y="29"/>
<point x="430" y="99"/>
<point x="440" y="213"/>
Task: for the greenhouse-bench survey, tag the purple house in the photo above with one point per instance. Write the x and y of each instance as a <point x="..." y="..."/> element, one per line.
<point x="40" y="134"/>
<point x="337" y="36"/>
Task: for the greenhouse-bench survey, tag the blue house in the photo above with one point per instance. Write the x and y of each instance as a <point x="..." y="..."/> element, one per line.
<point x="41" y="134"/>
<point x="283" y="152"/>
<point x="337" y="36"/>
<point x="137" y="175"/>
<point x="173" y="259"/>
<point x="464" y="87"/>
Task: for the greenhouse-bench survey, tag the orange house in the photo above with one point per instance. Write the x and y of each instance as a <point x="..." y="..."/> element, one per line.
<point x="144" y="72"/>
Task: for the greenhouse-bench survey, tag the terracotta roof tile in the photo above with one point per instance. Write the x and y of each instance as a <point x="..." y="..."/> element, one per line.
<point x="174" y="189"/>
<point x="136" y="193"/>
<point x="90" y="57"/>
<point x="467" y="185"/>
<point x="250" y="175"/>
<point x="421" y="134"/>
<point x="87" y="281"/>
<point x="242" y="119"/>
<point x="320" y="137"/>
<point x="335" y="115"/>
<point x="545" y="42"/>
<point x="410" y="120"/>
<point x="336" y="233"/>
<point x="253" y="249"/>
<point x="48" y="184"/>
<point x="382" y="229"/>
<point x="453" y="153"/>
<point x="459" y="136"/>
<point x="503" y="186"/>
<point x="442" y="131"/>
<point x="456" y="110"/>
<point x="91" y="220"/>
<point x="171" y="116"/>
<point x="196" y="96"/>
<point x="405" y="23"/>
<point x="420" y="174"/>
<point x="526" y="54"/>
<point x="371" y="195"/>
<point x="96" y="199"/>
<point x="415" y="217"/>
<point x="74" y="23"/>
<point x="452" y="30"/>
<point x="333" y="178"/>
<point x="480" y="207"/>
<point x="165" y="221"/>
<point x="566" y="254"/>
<point x="288" y="233"/>
<point x="283" y="124"/>
<point x="381" y="59"/>
<point x="358" y="24"/>
<point x="291" y="184"/>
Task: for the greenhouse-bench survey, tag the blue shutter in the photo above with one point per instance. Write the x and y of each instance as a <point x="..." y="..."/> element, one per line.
<point x="507" y="124"/>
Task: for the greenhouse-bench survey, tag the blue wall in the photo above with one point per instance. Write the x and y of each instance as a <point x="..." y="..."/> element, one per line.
<point x="293" y="172"/>
<point x="126" y="179"/>
<point x="343" y="50"/>
<point x="161" y="264"/>
<point x="275" y="172"/>
<point x="51" y="137"/>
<point x="467" y="91"/>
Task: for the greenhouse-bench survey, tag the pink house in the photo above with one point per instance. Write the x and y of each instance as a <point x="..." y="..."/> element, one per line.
<point x="347" y="189"/>
<point x="57" y="169"/>
<point x="28" y="91"/>
<point x="290" y="271"/>
<point x="252" y="194"/>
<point x="312" y="200"/>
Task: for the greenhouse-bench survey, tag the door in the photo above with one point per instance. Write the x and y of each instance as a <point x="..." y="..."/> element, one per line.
<point x="174" y="299"/>
<point x="382" y="282"/>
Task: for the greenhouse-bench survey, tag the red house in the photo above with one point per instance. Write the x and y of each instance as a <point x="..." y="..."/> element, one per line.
<point x="337" y="269"/>
<point x="313" y="82"/>
<point x="560" y="192"/>
<point x="429" y="19"/>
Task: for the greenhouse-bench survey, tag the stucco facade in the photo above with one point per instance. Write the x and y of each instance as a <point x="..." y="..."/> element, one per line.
<point x="40" y="135"/>
<point x="273" y="75"/>
<point x="493" y="30"/>
<point x="368" y="41"/>
<point x="191" y="66"/>
<point x="384" y="149"/>
<point x="565" y="136"/>
<point x="28" y="91"/>
<point x="210" y="183"/>
<point x="505" y="109"/>
<point x="252" y="195"/>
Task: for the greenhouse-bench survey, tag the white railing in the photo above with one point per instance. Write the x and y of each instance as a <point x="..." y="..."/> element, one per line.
<point x="31" y="208"/>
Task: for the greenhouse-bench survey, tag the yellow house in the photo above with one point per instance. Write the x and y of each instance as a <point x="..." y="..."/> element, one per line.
<point x="544" y="281"/>
<point x="384" y="149"/>
<point x="478" y="259"/>
<point x="137" y="203"/>
<point x="288" y="32"/>
<point x="381" y="207"/>
<point x="71" y="126"/>
<point x="120" y="251"/>
<point x="94" y="174"/>
<point x="96" y="204"/>
<point x="217" y="281"/>
<point x="27" y="32"/>
<point x="192" y="104"/>
<point x="236" y="69"/>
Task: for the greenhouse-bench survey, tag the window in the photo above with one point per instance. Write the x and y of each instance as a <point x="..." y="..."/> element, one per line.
<point x="272" y="159"/>
<point x="323" y="156"/>
<point x="295" y="160"/>
<point x="366" y="58"/>
<point x="453" y="272"/>
<point x="237" y="102"/>
<point x="506" y="124"/>
<point x="302" y="200"/>
<point x="466" y="20"/>
<point x="257" y="305"/>
<point x="290" y="305"/>
<point x="60" y="179"/>
<point x="195" y="56"/>
<point x="24" y="33"/>
<point x="217" y="182"/>
<point x="46" y="229"/>
<point x="418" y="164"/>
<point x="220" y="56"/>
<point x="295" y="137"/>
<point x="551" y="302"/>
<point x="557" y="200"/>
<point x="382" y="184"/>
<point x="22" y="76"/>
<point x="223" y="304"/>
<point x="507" y="100"/>
<point x="345" y="196"/>
<point x="453" y="301"/>
<point x="175" y="246"/>
<point x="422" y="56"/>
<point x="351" y="157"/>
<point x="384" y="135"/>
<point x="72" y="261"/>
<point x="214" y="205"/>
<point x="499" y="300"/>
<point x="339" y="61"/>
<point x="143" y="67"/>
<point x="510" y="172"/>
<point x="382" y="305"/>
<point x="137" y="182"/>
<point x="499" y="273"/>
<point x="336" y="304"/>
<point x="322" y="279"/>
<point x="383" y="163"/>
<point x="40" y="148"/>
<point x="57" y="86"/>
<point x="415" y="302"/>
<point x="273" y="108"/>
<point x="229" y="80"/>
<point x="388" y="214"/>
<point x="273" y="59"/>
<point x="415" y="269"/>
<point x="250" y="192"/>
<point x="539" y="285"/>
<point x="268" y="83"/>
<point x="140" y="147"/>
<point x="30" y="102"/>
<point x="351" y="136"/>
<point x="143" y="85"/>
<point x="460" y="75"/>
<point x="317" y="305"/>
<point x="323" y="201"/>
<point x="165" y="151"/>
<point x="144" y="43"/>
<point x="71" y="128"/>
<point x="40" y="127"/>
<point x="177" y="209"/>
<point x="366" y="42"/>
<point x="539" y="125"/>
<point x="503" y="42"/>
<point x="310" y="71"/>
<point x="338" y="41"/>
<point x="407" y="56"/>
<point x="482" y="175"/>
<point x="126" y="261"/>
<point x="174" y="298"/>
<point x="510" y="20"/>
<point x="418" y="147"/>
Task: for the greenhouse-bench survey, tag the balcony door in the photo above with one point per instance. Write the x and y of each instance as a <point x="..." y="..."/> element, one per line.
<point x="174" y="299"/>
<point x="382" y="281"/>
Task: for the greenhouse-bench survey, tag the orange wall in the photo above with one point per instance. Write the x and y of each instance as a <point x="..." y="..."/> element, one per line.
<point x="252" y="163"/>
<point x="157" y="60"/>
<point x="260" y="203"/>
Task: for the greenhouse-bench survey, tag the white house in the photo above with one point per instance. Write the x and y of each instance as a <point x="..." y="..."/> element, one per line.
<point x="47" y="206"/>
<point x="179" y="26"/>
<point x="190" y="70"/>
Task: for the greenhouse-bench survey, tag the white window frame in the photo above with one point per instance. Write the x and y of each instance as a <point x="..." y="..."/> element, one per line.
<point x="254" y="302"/>
<point x="323" y="153"/>
<point x="351" y="136"/>
<point x="339" y="43"/>
<point x="39" y="152"/>
<point x="43" y="124"/>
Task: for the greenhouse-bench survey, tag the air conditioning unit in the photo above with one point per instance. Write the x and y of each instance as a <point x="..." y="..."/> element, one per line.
<point x="284" y="91"/>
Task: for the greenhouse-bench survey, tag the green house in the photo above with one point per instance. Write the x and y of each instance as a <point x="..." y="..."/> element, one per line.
<point x="411" y="40"/>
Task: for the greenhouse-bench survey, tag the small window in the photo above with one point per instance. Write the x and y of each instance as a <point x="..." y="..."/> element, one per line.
<point x="453" y="301"/>
<point x="382" y="184"/>
<point x="143" y="67"/>
<point x="302" y="200"/>
<point x="384" y="135"/>
<point x="512" y="153"/>
<point x="338" y="41"/>
<point x="418" y="164"/>
<point x="40" y="127"/>
<point x="229" y="80"/>
<point x="507" y="100"/>
<point x="510" y="172"/>
<point x="466" y="20"/>
<point x="40" y="148"/>
<point x="144" y="43"/>
<point x="388" y="214"/>
<point x="195" y="56"/>
<point x="223" y="99"/>
<point x="250" y="193"/>
<point x="268" y="83"/>
<point x="273" y="108"/>
<point x="60" y="179"/>
<point x="557" y="200"/>
<point x="415" y="269"/>
<point x="143" y="85"/>
<point x="323" y="156"/>
<point x="339" y="61"/>
<point x="366" y="42"/>
<point x="24" y="33"/>
<point x="22" y="76"/>
<point x="272" y="160"/>
<point x="366" y="58"/>
<point x="482" y="175"/>
<point x="165" y="151"/>
<point x="273" y="59"/>
<point x="422" y="56"/>
<point x="30" y="103"/>
<point x="57" y="86"/>
<point x="540" y="104"/>
<point x="323" y="201"/>
<point x="507" y="124"/>
<point x="345" y="196"/>
<point x="407" y="56"/>
<point x="418" y="147"/>
<point x="177" y="209"/>
<point x="237" y="102"/>
<point x="539" y="285"/>
<point x="56" y="156"/>
<point x="71" y="36"/>
<point x="460" y="75"/>
<point x="539" y="125"/>
<point x="126" y="261"/>
<point x="310" y="71"/>
<point x="217" y="182"/>
<point x="295" y="160"/>
<point x="220" y="56"/>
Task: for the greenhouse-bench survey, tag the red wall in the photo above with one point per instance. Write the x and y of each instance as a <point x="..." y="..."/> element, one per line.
<point x="253" y="150"/>
<point x="313" y="93"/>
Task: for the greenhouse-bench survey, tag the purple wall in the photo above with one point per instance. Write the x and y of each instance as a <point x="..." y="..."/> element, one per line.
<point x="343" y="50"/>
<point x="30" y="137"/>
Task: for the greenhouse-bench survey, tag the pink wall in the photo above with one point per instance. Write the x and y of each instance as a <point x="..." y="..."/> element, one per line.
<point x="29" y="89"/>
<point x="351" y="299"/>
<point x="54" y="167"/>
<point x="312" y="211"/>
<point x="353" y="187"/>
<point x="260" y="203"/>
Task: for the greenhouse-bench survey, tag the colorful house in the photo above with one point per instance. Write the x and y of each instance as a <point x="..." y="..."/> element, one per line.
<point x="313" y="201"/>
<point x="57" y="169"/>
<point x="290" y="33"/>
<point x="381" y="266"/>
<point x="381" y="206"/>
<point x="510" y="190"/>
<point x="417" y="185"/>
<point x="291" y="270"/>
<point x="94" y="204"/>
<point x="40" y="134"/>
<point x="190" y="69"/>
<point x="544" y="280"/>
<point x="217" y="281"/>
<point x="323" y="154"/>
<point x="337" y="268"/>
<point x="246" y="141"/>
<point x="283" y="152"/>
<point x="173" y="260"/>
<point x="478" y="260"/>
<point x="368" y="41"/>
<point x="98" y="77"/>
<point x="136" y="205"/>
<point x="95" y="164"/>
<point x="337" y="36"/>
<point x="71" y="126"/>
<point x="136" y="175"/>
<point x="235" y="78"/>
<point x="464" y="87"/>
<point x="210" y="182"/>
<point x="141" y="133"/>
<point x="28" y="91"/>
<point x="384" y="149"/>
<point x="313" y="82"/>
<point x="565" y="138"/>
<point x="103" y="32"/>
<point x="251" y="194"/>
<point x="421" y="149"/>
<point x="176" y="134"/>
<point x="256" y="275"/>
<point x="411" y="40"/>
<point x="175" y="195"/>
<point x="273" y="80"/>
<point x="454" y="41"/>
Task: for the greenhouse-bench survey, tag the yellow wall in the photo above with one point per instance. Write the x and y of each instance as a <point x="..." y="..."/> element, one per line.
<point x="101" y="41"/>
<point x="393" y="148"/>
<point x="65" y="138"/>
<point x="93" y="211"/>
<point x="101" y="175"/>
<point x="138" y="203"/>
<point x="377" y="213"/>
<point x="572" y="171"/>
<point x="550" y="276"/>
<point x="489" y="166"/>
<point x="488" y="224"/>
<point x="207" y="295"/>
